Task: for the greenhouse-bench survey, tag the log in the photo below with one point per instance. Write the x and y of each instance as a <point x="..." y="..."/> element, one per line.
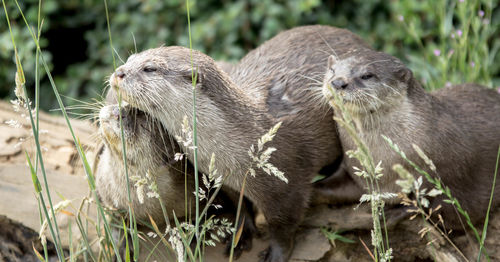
<point x="20" y="222"/>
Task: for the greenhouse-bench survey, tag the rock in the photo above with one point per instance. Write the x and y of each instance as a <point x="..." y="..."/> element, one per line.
<point x="19" y="202"/>
<point x="310" y="245"/>
<point x="17" y="243"/>
<point x="345" y="217"/>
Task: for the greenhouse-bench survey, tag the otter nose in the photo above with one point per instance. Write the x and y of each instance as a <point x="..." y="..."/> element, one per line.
<point x="119" y="73"/>
<point x="339" y="84"/>
<point x="116" y="111"/>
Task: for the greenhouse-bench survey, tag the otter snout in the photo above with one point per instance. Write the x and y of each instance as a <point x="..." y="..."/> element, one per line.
<point x="116" y="77"/>
<point x="120" y="73"/>
<point x="111" y="113"/>
<point x="339" y="84"/>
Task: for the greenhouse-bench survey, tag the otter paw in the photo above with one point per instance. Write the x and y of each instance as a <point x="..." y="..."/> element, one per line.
<point x="244" y="244"/>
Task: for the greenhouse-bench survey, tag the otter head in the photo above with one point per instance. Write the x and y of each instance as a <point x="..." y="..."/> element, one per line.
<point x="160" y="81"/>
<point x="368" y="81"/>
<point x="150" y="156"/>
<point x="144" y="137"/>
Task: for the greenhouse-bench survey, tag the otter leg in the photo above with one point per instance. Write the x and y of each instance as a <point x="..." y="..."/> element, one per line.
<point x="283" y="206"/>
<point x="247" y="217"/>
<point x="339" y="188"/>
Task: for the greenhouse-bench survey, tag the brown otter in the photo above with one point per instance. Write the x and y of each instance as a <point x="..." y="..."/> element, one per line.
<point x="147" y="159"/>
<point x="225" y="66"/>
<point x="456" y="127"/>
<point x="150" y="158"/>
<point x="273" y="83"/>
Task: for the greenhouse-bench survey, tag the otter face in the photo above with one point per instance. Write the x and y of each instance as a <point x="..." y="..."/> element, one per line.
<point x="367" y="83"/>
<point x="157" y="80"/>
<point x="149" y="159"/>
<point x="143" y="136"/>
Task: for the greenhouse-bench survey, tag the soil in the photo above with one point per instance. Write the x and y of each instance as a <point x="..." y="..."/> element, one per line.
<point x="20" y="222"/>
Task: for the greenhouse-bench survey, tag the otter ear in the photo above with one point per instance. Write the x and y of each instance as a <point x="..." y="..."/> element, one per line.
<point x="331" y="61"/>
<point x="403" y="74"/>
<point x="191" y="75"/>
<point x="197" y="75"/>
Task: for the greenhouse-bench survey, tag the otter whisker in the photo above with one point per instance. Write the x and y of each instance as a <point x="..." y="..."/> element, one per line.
<point x="328" y="44"/>
<point x="118" y="55"/>
<point x="324" y="52"/>
<point x="377" y="61"/>
<point x="312" y="79"/>
<point x="374" y="98"/>
<point x="393" y="89"/>
<point x="135" y="44"/>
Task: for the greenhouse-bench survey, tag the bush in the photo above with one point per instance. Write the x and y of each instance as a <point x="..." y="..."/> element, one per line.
<point x="75" y="35"/>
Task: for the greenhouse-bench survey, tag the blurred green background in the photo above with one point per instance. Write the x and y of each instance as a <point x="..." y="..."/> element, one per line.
<point x="443" y="41"/>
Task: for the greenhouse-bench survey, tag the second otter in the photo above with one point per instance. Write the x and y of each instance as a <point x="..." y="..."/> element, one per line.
<point x="456" y="127"/>
<point x="155" y="175"/>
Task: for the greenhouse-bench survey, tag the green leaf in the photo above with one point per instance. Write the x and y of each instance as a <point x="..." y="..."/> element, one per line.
<point x="34" y="178"/>
<point x="335" y="235"/>
<point x="317" y="178"/>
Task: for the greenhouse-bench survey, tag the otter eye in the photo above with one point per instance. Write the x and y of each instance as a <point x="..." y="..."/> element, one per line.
<point x="149" y="69"/>
<point x="367" y="76"/>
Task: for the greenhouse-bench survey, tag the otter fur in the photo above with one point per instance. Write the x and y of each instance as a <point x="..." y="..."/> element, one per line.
<point x="274" y="83"/>
<point x="456" y="127"/>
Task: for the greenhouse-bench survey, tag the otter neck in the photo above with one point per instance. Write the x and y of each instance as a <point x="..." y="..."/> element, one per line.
<point x="223" y="111"/>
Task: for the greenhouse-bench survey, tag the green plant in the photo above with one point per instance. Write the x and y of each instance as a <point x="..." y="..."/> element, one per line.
<point x="226" y="30"/>
<point x="371" y="172"/>
<point x="335" y="235"/>
<point x="408" y="184"/>
<point x="455" y="43"/>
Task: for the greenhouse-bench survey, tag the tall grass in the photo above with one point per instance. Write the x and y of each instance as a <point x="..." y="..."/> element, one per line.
<point x="440" y="188"/>
<point x="194" y="76"/>
<point x="462" y="50"/>
<point x="458" y="55"/>
<point x="131" y="214"/>
<point x="180" y="235"/>
<point x="465" y="57"/>
<point x="371" y="172"/>
<point x="50" y="210"/>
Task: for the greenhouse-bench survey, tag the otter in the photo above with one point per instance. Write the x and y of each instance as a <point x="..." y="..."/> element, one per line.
<point x="225" y="66"/>
<point x="271" y="84"/>
<point x="456" y="127"/>
<point x="150" y="156"/>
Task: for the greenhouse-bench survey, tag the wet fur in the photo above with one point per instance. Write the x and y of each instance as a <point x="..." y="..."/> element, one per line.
<point x="274" y="83"/>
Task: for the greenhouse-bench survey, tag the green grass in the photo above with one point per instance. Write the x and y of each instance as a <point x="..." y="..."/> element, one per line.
<point x="460" y="49"/>
<point x="450" y="199"/>
<point x="469" y="61"/>
<point x="371" y="172"/>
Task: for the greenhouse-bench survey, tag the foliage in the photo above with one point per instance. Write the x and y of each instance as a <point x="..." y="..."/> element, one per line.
<point x="75" y="41"/>
<point x="457" y="41"/>
<point x="75" y="38"/>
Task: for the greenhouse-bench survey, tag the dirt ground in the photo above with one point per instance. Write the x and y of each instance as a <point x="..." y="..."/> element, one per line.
<point x="19" y="219"/>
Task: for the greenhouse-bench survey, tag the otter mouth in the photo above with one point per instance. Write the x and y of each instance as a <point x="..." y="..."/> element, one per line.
<point x="111" y="113"/>
<point x="354" y="100"/>
<point x="109" y="121"/>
